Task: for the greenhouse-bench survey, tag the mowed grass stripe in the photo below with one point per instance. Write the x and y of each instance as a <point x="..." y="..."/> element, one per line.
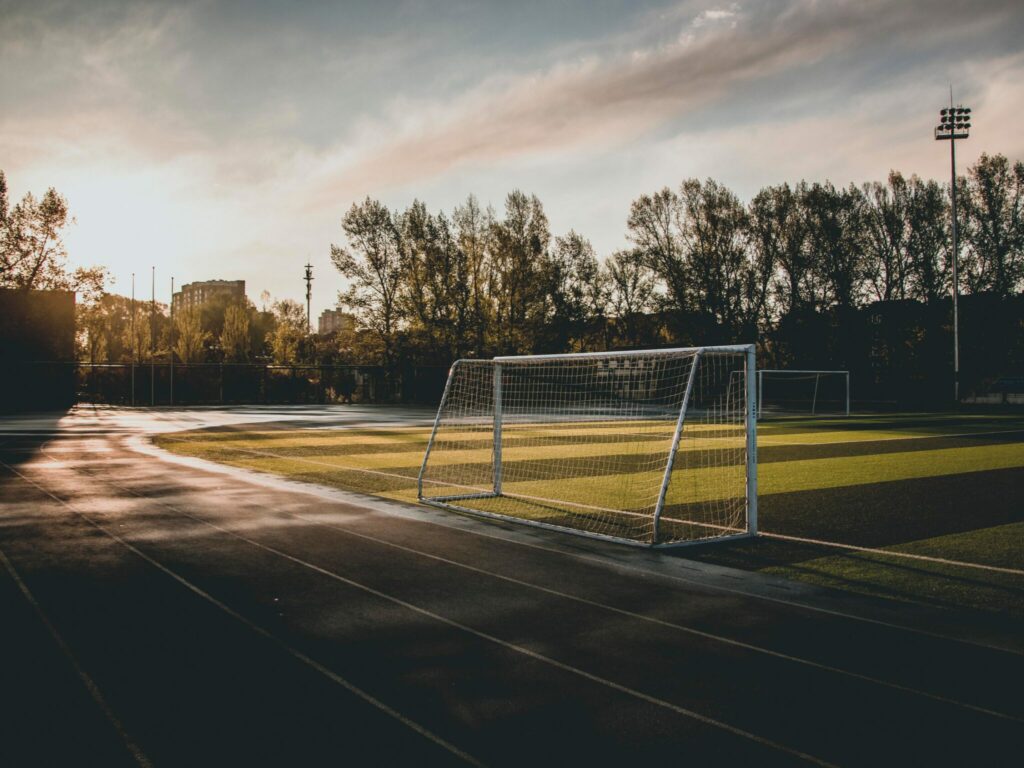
<point x="933" y="583"/>
<point x="773" y="477"/>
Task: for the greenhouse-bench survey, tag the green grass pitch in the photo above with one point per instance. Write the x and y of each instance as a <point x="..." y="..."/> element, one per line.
<point x="943" y="485"/>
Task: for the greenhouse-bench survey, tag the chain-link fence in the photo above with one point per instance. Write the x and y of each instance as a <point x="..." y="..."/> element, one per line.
<point x="38" y="385"/>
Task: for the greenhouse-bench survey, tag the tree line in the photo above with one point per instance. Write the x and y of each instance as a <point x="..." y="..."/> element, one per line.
<point x="702" y="266"/>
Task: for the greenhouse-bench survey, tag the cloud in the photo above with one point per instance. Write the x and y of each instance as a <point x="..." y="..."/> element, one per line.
<point x="603" y="101"/>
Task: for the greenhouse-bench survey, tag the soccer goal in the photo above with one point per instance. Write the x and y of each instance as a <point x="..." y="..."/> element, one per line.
<point x="654" y="448"/>
<point x="791" y="392"/>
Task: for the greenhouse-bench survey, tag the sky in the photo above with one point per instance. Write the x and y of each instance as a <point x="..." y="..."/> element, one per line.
<point x="227" y="139"/>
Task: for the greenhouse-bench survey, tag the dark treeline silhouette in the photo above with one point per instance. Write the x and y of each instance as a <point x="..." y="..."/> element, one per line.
<point x="857" y="278"/>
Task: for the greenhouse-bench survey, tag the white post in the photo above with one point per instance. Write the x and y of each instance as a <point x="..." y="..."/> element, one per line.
<point x="760" y="393"/>
<point x="814" y="400"/>
<point x="847" y="393"/>
<point x="433" y="432"/>
<point x="675" y="447"/>
<point x="751" y="418"/>
<point x="498" y="415"/>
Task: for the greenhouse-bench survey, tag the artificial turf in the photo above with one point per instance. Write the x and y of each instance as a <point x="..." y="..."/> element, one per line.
<point x="943" y="485"/>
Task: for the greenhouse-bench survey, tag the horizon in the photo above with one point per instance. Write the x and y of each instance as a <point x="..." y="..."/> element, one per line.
<point x="224" y="144"/>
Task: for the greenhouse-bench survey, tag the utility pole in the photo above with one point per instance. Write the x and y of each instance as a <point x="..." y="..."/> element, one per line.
<point x="955" y="123"/>
<point x="152" y="337"/>
<point x="134" y="340"/>
<point x="170" y="346"/>
<point x="309" y="296"/>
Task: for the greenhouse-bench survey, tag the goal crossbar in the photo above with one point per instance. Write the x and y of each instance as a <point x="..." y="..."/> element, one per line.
<point x="804" y="373"/>
<point x="596" y="441"/>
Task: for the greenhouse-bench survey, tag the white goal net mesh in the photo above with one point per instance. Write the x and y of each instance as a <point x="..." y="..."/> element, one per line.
<point x="803" y="393"/>
<point x="586" y="442"/>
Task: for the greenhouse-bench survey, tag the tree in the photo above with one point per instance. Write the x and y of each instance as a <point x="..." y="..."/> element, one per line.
<point x="520" y="242"/>
<point x="286" y="340"/>
<point x="713" y="232"/>
<point x="887" y="231"/>
<point x="928" y="241"/>
<point x="631" y="291"/>
<point x="653" y="228"/>
<point x="474" y="230"/>
<point x="994" y="225"/>
<point x="576" y="290"/>
<point x="234" y="338"/>
<point x="778" y="236"/>
<point x="32" y="251"/>
<point x="373" y="263"/>
<point x="191" y="339"/>
<point x="436" y="282"/>
<point x="835" y="220"/>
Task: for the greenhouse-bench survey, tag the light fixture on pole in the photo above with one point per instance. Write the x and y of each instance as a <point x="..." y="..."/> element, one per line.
<point x="954" y="123"/>
<point x="309" y="296"/>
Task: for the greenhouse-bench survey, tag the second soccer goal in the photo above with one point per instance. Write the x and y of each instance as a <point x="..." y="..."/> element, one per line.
<point x="653" y="448"/>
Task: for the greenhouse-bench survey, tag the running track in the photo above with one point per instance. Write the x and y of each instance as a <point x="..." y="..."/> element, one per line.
<point x="165" y="613"/>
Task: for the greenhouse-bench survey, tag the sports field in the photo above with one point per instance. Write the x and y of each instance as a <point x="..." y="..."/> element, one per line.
<point x="938" y="487"/>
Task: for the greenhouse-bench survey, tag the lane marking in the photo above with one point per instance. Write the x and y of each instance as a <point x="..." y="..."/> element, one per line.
<point x="90" y="684"/>
<point x="294" y="652"/>
<point x="640" y="695"/>
<point x="408" y="511"/>
<point x="624" y="612"/>
<point x="766" y="534"/>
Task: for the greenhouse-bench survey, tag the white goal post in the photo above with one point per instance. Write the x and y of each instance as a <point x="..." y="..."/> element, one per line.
<point x="653" y="448"/>
<point x="813" y="392"/>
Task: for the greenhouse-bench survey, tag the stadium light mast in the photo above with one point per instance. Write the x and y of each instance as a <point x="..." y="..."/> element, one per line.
<point x="309" y="295"/>
<point x="954" y="123"/>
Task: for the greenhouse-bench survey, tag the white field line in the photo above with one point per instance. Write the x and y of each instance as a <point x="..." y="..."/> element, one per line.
<point x="632" y="692"/>
<point x="893" y="553"/>
<point x="585" y="601"/>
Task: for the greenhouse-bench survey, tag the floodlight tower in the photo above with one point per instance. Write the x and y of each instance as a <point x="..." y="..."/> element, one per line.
<point x="954" y="123"/>
<point x="309" y="295"/>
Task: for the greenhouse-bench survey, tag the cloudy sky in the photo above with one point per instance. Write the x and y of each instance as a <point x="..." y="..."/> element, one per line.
<point x="226" y="139"/>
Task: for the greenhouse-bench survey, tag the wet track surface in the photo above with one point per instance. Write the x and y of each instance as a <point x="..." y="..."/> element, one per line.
<point x="159" y="612"/>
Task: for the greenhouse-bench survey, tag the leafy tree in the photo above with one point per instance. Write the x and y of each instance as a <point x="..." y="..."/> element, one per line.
<point x="887" y="231"/>
<point x="437" y="282"/>
<point x="713" y="231"/>
<point x="631" y="291"/>
<point x="778" y="237"/>
<point x="234" y="338"/>
<point x="576" y="290"/>
<point x="521" y="241"/>
<point x="835" y="219"/>
<point x="190" y="338"/>
<point x="994" y="231"/>
<point x="32" y="251"/>
<point x="474" y="228"/>
<point x="928" y="240"/>
<point x="286" y="340"/>
<point x="373" y="263"/>
<point x="653" y="228"/>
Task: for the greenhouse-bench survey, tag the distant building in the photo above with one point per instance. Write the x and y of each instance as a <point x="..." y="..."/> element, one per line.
<point x="197" y="294"/>
<point x="333" y="321"/>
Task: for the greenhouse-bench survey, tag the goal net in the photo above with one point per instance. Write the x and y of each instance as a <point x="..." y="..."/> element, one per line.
<point x="652" y="447"/>
<point x="790" y="392"/>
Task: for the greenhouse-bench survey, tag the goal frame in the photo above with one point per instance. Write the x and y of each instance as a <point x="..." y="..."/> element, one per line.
<point x="750" y="417"/>
<point x="760" y="386"/>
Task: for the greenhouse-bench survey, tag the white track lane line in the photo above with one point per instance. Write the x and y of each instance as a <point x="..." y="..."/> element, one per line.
<point x="593" y="603"/>
<point x="294" y="652"/>
<point x="766" y="534"/>
<point x="280" y="482"/>
<point x="640" y="695"/>
<point x="90" y="684"/>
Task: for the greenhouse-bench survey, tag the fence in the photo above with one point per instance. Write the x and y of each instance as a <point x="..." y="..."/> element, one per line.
<point x="39" y="385"/>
